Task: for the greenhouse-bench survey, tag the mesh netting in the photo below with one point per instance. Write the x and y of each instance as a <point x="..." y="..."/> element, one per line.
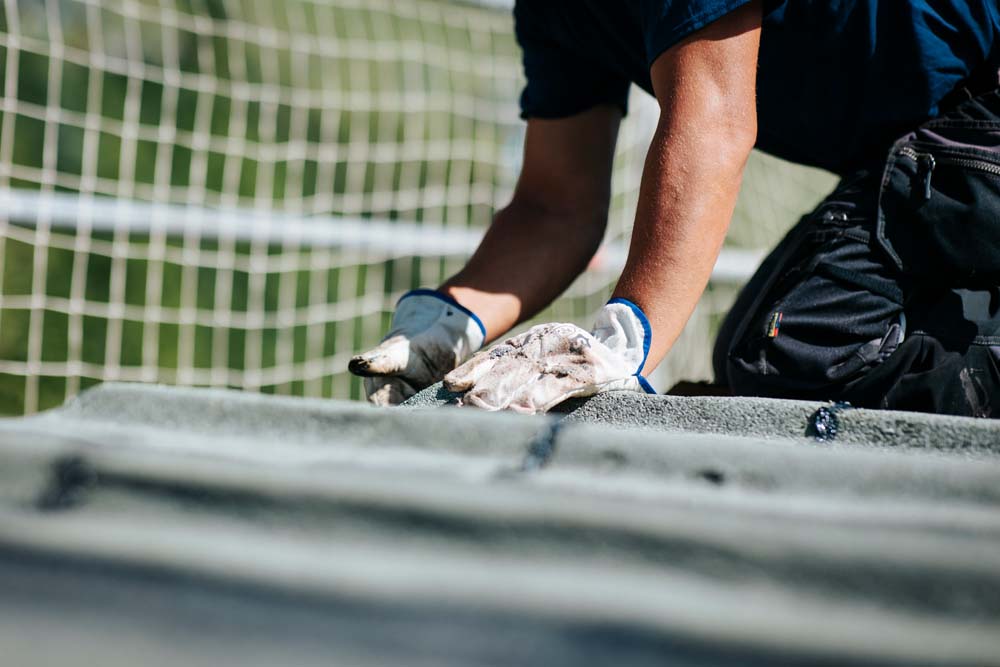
<point x="235" y="192"/>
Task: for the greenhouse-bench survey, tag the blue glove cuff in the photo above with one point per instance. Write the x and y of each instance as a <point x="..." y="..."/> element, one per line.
<point x="647" y="338"/>
<point x="451" y="302"/>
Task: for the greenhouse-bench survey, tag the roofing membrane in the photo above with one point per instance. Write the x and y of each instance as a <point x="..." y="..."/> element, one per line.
<point x="182" y="526"/>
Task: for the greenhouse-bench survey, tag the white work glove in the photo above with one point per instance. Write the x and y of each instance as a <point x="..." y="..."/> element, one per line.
<point x="430" y="335"/>
<point x="549" y="363"/>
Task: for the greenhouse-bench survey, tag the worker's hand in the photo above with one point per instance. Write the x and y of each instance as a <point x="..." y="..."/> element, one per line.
<point x="431" y="334"/>
<point x="549" y="363"/>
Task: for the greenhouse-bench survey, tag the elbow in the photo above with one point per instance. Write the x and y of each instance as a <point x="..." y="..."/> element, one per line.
<point x="740" y="137"/>
<point x="731" y="125"/>
<point x="717" y="124"/>
<point x="730" y="144"/>
<point x="741" y="134"/>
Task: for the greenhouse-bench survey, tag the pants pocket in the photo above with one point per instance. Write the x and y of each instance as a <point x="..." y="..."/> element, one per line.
<point x="835" y="313"/>
<point x="939" y="204"/>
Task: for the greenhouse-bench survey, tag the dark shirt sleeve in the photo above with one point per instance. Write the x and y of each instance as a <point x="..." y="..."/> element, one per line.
<point x="667" y="22"/>
<point x="560" y="81"/>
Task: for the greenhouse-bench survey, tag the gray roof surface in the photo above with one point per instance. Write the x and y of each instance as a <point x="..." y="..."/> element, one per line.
<point x="177" y="526"/>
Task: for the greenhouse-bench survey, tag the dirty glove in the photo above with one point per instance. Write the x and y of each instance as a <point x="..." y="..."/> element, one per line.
<point x="430" y="335"/>
<point x="549" y="363"/>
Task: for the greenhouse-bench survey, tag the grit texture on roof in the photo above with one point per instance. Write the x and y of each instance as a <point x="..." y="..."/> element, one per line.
<point x="156" y="526"/>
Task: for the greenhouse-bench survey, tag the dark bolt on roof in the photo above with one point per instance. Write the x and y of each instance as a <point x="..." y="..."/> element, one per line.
<point x="158" y="526"/>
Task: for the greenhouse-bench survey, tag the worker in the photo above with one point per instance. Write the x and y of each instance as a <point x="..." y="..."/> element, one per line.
<point x="885" y="296"/>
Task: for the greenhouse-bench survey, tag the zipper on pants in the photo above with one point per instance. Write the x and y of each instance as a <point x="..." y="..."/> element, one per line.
<point x="926" y="163"/>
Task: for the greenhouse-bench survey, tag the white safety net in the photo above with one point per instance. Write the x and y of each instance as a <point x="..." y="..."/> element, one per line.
<point x="234" y="193"/>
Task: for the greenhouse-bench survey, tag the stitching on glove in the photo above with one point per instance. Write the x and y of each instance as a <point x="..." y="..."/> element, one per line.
<point x="647" y="339"/>
<point x="450" y="301"/>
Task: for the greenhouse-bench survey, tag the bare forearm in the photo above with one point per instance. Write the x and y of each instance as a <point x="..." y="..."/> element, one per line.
<point x="708" y="125"/>
<point x="528" y="257"/>
<point x="686" y="201"/>
<point x="543" y="240"/>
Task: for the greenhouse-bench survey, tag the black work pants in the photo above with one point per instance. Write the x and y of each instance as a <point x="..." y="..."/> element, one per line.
<point x="888" y="294"/>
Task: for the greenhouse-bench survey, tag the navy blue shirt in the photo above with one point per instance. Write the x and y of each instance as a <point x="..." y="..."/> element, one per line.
<point x="837" y="81"/>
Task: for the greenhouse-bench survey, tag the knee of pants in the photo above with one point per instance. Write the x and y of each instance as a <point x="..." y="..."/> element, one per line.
<point x="949" y="363"/>
<point x="929" y="375"/>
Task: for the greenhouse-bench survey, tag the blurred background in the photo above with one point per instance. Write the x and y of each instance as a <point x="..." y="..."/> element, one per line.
<point x="234" y="193"/>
